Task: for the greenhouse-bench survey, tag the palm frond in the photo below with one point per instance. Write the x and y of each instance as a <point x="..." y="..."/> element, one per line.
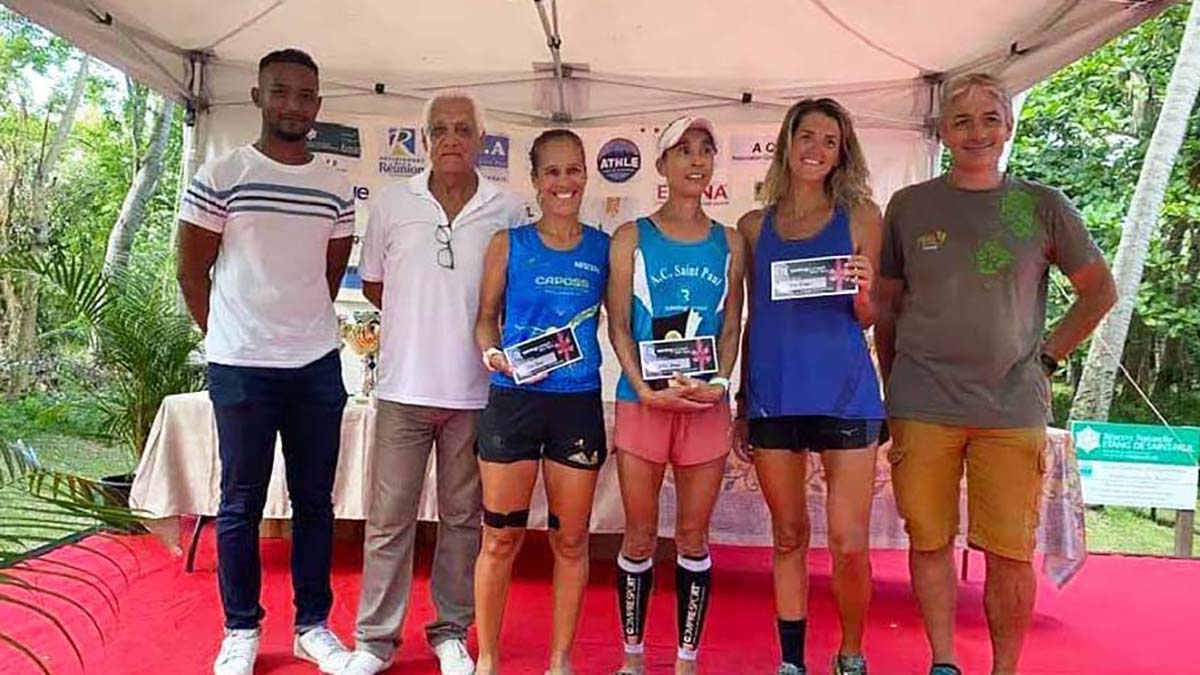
<point x="51" y="503"/>
<point x="78" y="279"/>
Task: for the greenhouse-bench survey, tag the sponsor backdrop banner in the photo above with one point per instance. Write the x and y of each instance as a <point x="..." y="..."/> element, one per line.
<point x="623" y="182"/>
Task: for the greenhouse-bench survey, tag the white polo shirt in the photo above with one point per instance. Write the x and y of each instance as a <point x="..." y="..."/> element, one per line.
<point x="269" y="305"/>
<point x="428" y="354"/>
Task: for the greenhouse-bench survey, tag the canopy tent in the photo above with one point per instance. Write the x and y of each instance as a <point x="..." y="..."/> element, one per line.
<point x="597" y="62"/>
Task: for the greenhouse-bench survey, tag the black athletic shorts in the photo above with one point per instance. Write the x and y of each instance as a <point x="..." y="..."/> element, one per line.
<point x="813" y="432"/>
<point x="520" y="424"/>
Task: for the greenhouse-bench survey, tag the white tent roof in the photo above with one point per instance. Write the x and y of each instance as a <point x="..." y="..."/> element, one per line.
<point x="625" y="60"/>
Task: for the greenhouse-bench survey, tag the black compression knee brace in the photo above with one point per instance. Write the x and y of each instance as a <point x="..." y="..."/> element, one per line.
<point x="515" y="519"/>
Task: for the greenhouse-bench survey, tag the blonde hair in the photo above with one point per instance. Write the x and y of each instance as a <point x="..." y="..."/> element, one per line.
<point x="847" y="184"/>
<point x="982" y="82"/>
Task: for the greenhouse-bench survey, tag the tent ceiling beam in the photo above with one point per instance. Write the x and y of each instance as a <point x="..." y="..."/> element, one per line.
<point x="96" y="12"/>
<point x="833" y="16"/>
<point x="1021" y="45"/>
<point x="105" y="18"/>
<point x="246" y="24"/>
<point x="1054" y="30"/>
<point x="477" y="82"/>
<point x="801" y="90"/>
<point x="997" y="60"/>
<point x="665" y="88"/>
<point x="634" y="111"/>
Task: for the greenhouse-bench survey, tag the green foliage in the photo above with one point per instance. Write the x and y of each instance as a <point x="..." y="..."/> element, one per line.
<point x="1085" y="131"/>
<point x="25" y="49"/>
<point x="137" y="335"/>
<point x="68" y="409"/>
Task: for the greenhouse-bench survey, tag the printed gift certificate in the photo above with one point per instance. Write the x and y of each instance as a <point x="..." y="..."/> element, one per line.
<point x="663" y="359"/>
<point x="812" y="278"/>
<point x="543" y="354"/>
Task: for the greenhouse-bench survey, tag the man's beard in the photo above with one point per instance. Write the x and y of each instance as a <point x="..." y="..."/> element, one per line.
<point x="289" y="136"/>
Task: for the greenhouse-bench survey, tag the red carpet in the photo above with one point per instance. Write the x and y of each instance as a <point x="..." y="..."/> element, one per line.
<point x="1119" y="616"/>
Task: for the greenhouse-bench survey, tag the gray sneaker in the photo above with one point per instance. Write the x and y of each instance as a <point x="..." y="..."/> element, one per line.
<point x="849" y="665"/>
<point x="790" y="669"/>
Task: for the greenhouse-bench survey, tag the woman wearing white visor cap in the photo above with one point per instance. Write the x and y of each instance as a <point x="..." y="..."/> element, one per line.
<point x="675" y="309"/>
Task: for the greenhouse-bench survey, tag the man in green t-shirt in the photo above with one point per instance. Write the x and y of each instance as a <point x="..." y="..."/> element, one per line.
<point x="960" y="337"/>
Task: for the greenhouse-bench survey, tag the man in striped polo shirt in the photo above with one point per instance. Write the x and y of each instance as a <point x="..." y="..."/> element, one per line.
<point x="274" y="226"/>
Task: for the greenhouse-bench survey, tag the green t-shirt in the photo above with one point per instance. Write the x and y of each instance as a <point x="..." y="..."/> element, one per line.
<point x="975" y="266"/>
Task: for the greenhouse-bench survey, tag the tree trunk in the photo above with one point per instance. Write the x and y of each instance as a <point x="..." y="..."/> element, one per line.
<point x="1094" y="396"/>
<point x="23" y="330"/>
<point x="133" y="210"/>
<point x="1018" y="104"/>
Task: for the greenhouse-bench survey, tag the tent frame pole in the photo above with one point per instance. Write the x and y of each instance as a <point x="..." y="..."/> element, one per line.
<point x="554" y="44"/>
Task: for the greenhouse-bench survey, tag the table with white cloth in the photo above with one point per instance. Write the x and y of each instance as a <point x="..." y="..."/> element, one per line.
<point x="180" y="474"/>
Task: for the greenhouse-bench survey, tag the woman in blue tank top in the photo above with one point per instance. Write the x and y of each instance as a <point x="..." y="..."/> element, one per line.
<point x="677" y="276"/>
<point x="547" y="281"/>
<point x="809" y="384"/>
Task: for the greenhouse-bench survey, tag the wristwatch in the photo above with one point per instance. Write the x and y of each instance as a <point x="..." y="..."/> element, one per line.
<point x="1050" y="364"/>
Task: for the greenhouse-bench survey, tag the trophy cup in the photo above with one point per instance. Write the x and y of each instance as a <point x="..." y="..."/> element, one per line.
<point x="362" y="336"/>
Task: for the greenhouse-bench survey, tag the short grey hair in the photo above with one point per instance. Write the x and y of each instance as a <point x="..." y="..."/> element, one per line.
<point x="988" y="84"/>
<point x="452" y="95"/>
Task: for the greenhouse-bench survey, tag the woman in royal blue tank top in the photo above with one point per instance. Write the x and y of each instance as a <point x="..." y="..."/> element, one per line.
<point x="546" y="282"/>
<point x="676" y="276"/>
<point x="809" y="384"/>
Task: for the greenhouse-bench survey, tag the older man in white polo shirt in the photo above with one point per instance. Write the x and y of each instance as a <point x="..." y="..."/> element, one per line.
<point x="422" y="259"/>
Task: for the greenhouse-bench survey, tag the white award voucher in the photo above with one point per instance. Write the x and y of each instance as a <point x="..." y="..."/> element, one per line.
<point x="663" y="359"/>
<point x="542" y="354"/>
<point x="812" y="278"/>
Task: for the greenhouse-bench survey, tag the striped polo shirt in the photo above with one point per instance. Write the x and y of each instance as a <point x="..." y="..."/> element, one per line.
<point x="270" y="304"/>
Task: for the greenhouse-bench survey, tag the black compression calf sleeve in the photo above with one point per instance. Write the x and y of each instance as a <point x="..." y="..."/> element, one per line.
<point x="791" y="641"/>
<point x="635" y="581"/>
<point x="693" y="582"/>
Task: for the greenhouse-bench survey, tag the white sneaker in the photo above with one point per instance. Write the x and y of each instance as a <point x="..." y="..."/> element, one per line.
<point x="454" y="659"/>
<point x="364" y="663"/>
<point x="238" y="651"/>
<point x="320" y="646"/>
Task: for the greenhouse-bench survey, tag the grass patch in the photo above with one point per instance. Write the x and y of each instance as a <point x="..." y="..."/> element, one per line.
<point x="1117" y="529"/>
<point x="81" y="456"/>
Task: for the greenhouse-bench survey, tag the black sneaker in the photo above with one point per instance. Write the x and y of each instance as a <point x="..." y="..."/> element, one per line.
<point x="944" y="669"/>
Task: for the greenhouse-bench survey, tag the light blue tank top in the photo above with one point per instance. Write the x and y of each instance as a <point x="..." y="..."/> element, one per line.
<point x="807" y="356"/>
<point x="679" y="288"/>
<point x="548" y="289"/>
